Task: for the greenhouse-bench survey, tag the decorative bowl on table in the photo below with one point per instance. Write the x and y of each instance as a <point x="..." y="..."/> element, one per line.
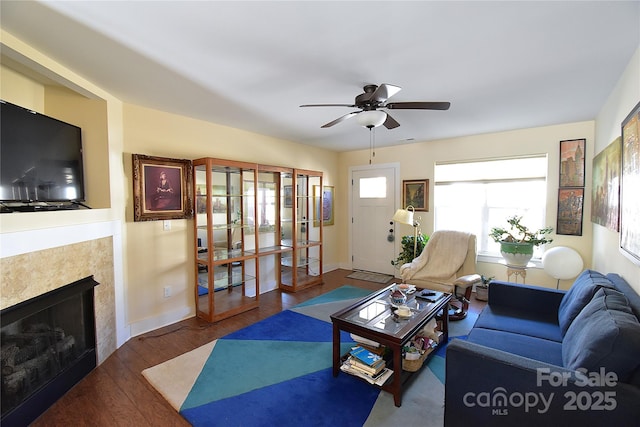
<point x="398" y="297"/>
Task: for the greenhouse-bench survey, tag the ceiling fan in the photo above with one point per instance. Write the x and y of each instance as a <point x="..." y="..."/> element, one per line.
<point x="372" y="101"/>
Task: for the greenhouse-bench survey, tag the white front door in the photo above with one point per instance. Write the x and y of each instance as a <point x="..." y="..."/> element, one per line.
<point x="373" y="201"/>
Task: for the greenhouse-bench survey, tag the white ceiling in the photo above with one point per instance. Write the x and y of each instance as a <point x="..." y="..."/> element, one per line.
<point x="249" y="65"/>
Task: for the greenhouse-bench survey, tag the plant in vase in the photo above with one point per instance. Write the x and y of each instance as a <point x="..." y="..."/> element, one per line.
<point x="407" y="254"/>
<point x="482" y="290"/>
<point x="517" y="241"/>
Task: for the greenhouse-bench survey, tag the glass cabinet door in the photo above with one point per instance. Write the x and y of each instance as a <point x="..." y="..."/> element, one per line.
<point x="286" y="209"/>
<point x="225" y="225"/>
<point x="303" y="266"/>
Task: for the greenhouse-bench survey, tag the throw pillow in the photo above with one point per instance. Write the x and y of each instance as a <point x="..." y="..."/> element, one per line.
<point x="606" y="335"/>
<point x="581" y="292"/>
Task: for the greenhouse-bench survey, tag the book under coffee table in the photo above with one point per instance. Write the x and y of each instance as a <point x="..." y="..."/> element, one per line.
<point x="373" y="318"/>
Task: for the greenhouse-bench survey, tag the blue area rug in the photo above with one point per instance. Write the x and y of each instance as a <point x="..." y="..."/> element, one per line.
<point x="279" y="372"/>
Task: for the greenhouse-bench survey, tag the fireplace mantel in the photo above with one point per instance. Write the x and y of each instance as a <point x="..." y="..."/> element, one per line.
<point x="37" y="261"/>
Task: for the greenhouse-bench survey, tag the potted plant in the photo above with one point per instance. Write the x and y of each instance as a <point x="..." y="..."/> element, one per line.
<point x="517" y="241"/>
<point x="407" y="254"/>
<point x="482" y="290"/>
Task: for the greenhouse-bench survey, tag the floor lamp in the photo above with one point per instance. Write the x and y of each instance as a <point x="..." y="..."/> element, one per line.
<point x="561" y="262"/>
<point x="406" y="216"/>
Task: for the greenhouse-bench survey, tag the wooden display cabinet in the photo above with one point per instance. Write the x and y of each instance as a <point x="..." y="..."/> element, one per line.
<point x="254" y="231"/>
<point x="271" y="248"/>
<point x="300" y="204"/>
<point x="227" y="267"/>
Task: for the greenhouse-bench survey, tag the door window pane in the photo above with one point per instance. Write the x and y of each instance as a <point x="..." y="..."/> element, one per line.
<point x="373" y="188"/>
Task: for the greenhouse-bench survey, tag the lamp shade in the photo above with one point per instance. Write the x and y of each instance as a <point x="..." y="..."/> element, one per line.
<point x="403" y="216"/>
<point x="562" y="263"/>
<point x="371" y="118"/>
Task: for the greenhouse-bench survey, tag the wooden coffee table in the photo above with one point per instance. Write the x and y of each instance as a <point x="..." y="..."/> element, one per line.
<point x="372" y="317"/>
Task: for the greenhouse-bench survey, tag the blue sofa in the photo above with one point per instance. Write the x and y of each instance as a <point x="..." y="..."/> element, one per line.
<point x="539" y="356"/>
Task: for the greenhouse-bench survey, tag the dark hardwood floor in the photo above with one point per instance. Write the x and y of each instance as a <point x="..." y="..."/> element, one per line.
<point x="116" y="393"/>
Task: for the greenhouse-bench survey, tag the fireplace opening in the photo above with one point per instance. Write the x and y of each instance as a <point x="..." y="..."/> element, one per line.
<point x="48" y="345"/>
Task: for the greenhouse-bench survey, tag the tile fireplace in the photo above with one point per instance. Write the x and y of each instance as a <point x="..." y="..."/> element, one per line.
<point x="48" y="345"/>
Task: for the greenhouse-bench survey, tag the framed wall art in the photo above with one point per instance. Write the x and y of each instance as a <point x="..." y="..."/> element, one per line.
<point x="327" y="205"/>
<point x="572" y="163"/>
<point x="288" y="196"/>
<point x="162" y="188"/>
<point x="570" y="207"/>
<point x="629" y="184"/>
<point x="416" y="194"/>
<point x="605" y="190"/>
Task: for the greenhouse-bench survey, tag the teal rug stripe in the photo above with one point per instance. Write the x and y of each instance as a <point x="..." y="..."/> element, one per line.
<point x="343" y="292"/>
<point x="437" y="366"/>
<point x="239" y="366"/>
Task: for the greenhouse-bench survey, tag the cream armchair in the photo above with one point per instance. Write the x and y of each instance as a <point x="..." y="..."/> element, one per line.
<point x="447" y="264"/>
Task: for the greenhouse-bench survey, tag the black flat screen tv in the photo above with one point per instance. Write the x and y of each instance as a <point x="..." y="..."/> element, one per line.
<point x="40" y="158"/>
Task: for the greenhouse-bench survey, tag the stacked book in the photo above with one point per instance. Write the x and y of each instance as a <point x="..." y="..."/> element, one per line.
<point x="367" y="365"/>
<point x="430" y="296"/>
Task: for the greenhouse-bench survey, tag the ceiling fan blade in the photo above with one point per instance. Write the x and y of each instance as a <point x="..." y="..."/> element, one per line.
<point x="390" y="122"/>
<point x="340" y="119"/>
<point x="328" y="105"/>
<point x="384" y="92"/>
<point x="418" y="105"/>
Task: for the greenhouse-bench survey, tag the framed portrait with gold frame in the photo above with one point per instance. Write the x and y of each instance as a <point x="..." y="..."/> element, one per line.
<point x="162" y="188"/>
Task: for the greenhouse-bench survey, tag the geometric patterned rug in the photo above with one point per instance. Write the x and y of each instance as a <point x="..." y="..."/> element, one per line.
<point x="278" y="372"/>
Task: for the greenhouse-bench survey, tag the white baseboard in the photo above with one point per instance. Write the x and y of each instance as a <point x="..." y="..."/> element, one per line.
<point x="165" y="319"/>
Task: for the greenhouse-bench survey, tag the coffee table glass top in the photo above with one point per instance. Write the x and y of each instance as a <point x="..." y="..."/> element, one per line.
<point x="379" y="313"/>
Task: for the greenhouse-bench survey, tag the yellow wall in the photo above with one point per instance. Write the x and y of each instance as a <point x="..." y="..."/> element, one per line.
<point x="606" y="254"/>
<point x="21" y="90"/>
<point x="417" y="161"/>
<point x="158" y="258"/>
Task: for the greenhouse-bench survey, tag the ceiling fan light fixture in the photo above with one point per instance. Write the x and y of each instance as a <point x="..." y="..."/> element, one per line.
<point x="371" y="118"/>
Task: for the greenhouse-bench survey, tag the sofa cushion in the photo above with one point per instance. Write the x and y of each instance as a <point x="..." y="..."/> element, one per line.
<point x="522" y="345"/>
<point x="512" y="319"/>
<point x="581" y="292"/>
<point x="621" y="285"/>
<point x="606" y="335"/>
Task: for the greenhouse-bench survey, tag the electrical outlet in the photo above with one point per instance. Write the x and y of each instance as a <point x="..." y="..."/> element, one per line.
<point x="167" y="291"/>
<point x="166" y="225"/>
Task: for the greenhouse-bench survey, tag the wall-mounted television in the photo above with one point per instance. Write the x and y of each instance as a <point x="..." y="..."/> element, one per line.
<point x="40" y="158"/>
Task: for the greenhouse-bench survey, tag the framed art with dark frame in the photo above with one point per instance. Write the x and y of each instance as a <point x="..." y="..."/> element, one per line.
<point x="327" y="205"/>
<point x="416" y="194"/>
<point x="629" y="184"/>
<point x="570" y="207"/>
<point x="162" y="188"/>
<point x="572" y="163"/>
<point x="288" y="196"/>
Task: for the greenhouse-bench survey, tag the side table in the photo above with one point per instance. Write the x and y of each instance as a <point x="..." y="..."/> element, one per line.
<point x="517" y="270"/>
